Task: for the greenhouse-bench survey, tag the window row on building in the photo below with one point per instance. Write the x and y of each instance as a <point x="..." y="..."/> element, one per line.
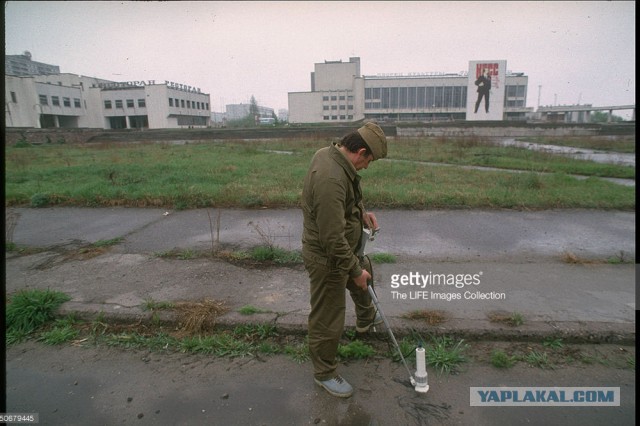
<point x="337" y="98"/>
<point x="190" y="120"/>
<point x="445" y="97"/>
<point x="415" y="97"/>
<point x="181" y="103"/>
<point x="337" y="117"/>
<point x="55" y="100"/>
<point x="119" y="104"/>
<point x="337" y="107"/>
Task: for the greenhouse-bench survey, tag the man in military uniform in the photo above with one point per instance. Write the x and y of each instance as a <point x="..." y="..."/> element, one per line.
<point x="484" y="90"/>
<point x="333" y="219"/>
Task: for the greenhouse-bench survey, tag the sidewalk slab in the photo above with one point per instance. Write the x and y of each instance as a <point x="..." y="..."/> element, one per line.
<point x="512" y="261"/>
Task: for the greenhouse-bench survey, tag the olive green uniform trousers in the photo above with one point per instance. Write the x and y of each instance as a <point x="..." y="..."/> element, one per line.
<point x="326" y="320"/>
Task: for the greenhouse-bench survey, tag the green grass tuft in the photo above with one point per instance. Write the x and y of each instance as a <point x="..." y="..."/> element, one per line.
<point x="152" y="305"/>
<point x="444" y="355"/>
<point x="500" y="359"/>
<point x="108" y="243"/>
<point x="553" y="343"/>
<point x="255" y="331"/>
<point x="355" y="350"/>
<point x="251" y="310"/>
<point x="28" y="310"/>
<point x="60" y="333"/>
<point x="537" y="359"/>
<point x="275" y="254"/>
<point x="298" y="352"/>
<point x="381" y="258"/>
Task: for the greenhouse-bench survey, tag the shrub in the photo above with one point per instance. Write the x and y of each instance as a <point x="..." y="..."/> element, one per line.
<point x="39" y="200"/>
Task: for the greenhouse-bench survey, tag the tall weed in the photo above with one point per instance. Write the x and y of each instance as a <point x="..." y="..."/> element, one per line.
<point x="28" y="310"/>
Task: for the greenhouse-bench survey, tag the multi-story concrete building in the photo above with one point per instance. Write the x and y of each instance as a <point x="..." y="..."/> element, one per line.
<point x="339" y="93"/>
<point x="38" y="95"/>
<point x="71" y="101"/>
<point x="23" y="65"/>
<point x="240" y="111"/>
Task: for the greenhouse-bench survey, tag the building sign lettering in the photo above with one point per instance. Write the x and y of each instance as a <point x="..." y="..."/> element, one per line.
<point x="142" y="83"/>
<point x="420" y="74"/>
<point x="182" y="87"/>
<point x="126" y="84"/>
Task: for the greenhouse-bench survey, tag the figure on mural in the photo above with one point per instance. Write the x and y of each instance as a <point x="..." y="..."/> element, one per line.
<point x="484" y="87"/>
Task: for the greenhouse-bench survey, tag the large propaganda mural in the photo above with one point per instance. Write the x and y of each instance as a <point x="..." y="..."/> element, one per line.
<point x="485" y="90"/>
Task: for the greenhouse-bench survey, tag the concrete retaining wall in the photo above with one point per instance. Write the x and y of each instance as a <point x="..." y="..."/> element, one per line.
<point x="42" y="136"/>
<point x="496" y="129"/>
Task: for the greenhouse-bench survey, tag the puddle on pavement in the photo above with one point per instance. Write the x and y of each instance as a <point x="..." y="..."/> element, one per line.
<point x="577" y="153"/>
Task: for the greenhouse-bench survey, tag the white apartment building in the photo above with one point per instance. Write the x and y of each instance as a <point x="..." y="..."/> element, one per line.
<point x="240" y="111"/>
<point x="339" y="93"/>
<point x="23" y="65"/>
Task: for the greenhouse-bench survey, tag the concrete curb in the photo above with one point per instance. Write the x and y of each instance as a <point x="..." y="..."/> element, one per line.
<point x="295" y="323"/>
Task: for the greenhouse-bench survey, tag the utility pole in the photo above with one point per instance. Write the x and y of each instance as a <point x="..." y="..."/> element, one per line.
<point x="539" y="91"/>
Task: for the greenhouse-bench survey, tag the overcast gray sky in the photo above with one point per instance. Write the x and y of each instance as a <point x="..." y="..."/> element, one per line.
<point x="578" y="52"/>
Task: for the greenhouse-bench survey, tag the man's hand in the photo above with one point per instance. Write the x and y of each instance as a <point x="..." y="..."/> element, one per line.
<point x="362" y="280"/>
<point x="370" y="221"/>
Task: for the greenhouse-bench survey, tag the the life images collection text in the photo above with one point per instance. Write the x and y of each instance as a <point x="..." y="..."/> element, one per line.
<point x="437" y="286"/>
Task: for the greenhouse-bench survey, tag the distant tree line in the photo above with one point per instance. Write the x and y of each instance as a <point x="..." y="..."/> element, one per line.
<point x="603" y="117"/>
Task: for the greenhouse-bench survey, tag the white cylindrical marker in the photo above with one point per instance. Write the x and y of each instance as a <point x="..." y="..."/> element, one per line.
<point x="421" y="377"/>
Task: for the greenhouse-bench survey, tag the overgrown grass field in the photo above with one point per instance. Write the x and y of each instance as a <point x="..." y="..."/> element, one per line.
<point x="269" y="173"/>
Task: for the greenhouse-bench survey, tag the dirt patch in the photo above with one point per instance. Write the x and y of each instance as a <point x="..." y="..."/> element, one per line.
<point x="568" y="257"/>
<point x="431" y="317"/>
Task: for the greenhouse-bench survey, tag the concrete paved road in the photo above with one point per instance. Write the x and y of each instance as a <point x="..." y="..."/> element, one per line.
<point x="435" y="235"/>
<point x="101" y="385"/>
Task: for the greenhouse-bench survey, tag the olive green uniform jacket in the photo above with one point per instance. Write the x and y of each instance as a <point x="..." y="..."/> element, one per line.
<point x="332" y="212"/>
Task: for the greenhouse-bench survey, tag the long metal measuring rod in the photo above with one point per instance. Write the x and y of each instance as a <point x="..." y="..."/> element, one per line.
<point x="369" y="235"/>
<point x="393" y="339"/>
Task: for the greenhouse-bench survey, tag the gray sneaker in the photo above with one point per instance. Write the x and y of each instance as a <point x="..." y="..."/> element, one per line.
<point x="377" y="320"/>
<point x="337" y="387"/>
